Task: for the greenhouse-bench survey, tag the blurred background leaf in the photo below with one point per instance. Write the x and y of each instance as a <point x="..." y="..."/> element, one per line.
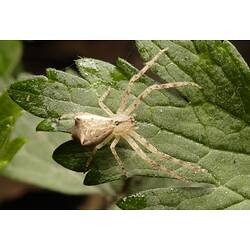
<point x="10" y="54"/>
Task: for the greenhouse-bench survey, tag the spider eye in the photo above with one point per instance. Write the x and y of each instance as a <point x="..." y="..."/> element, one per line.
<point x="116" y="123"/>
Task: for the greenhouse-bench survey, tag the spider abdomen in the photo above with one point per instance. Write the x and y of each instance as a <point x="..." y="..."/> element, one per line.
<point x="91" y="129"/>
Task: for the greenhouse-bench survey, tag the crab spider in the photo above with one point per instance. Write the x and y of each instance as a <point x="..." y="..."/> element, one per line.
<point x="97" y="130"/>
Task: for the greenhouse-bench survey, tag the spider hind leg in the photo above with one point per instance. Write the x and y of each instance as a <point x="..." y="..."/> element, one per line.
<point x="151" y="162"/>
<point x="164" y="156"/>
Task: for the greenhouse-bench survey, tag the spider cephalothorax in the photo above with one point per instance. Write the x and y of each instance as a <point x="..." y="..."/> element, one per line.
<point x="97" y="130"/>
<point x="123" y="124"/>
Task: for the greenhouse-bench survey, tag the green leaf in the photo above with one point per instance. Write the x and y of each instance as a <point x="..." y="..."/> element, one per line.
<point x="71" y="154"/>
<point x="209" y="127"/>
<point x="8" y="147"/>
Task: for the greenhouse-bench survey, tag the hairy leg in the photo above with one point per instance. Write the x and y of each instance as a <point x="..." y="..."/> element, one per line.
<point x="152" y="163"/>
<point x="119" y="161"/>
<point x="136" y="77"/>
<point x="97" y="147"/>
<point x="164" y="156"/>
<point x="148" y="90"/>
<point x="102" y="105"/>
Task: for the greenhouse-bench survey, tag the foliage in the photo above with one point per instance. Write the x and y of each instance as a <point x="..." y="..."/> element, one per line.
<point x="209" y="127"/>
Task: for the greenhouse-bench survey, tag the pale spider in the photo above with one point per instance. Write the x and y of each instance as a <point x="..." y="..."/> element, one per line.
<point x="97" y="130"/>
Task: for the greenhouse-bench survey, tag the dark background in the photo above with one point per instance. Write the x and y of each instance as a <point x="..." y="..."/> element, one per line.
<point x="39" y="55"/>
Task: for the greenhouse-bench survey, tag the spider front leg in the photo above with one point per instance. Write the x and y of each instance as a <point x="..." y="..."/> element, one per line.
<point x="136" y="77"/>
<point x="102" y="105"/>
<point x="96" y="148"/>
<point x="119" y="161"/>
<point x="152" y="163"/>
<point x="162" y="155"/>
<point x="148" y="90"/>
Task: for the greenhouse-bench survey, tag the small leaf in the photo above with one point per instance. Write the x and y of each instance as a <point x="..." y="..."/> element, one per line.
<point x="71" y="154"/>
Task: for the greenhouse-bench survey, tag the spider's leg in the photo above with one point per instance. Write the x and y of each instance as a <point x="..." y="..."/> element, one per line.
<point x="136" y="77"/>
<point x="149" y="89"/>
<point x="100" y="145"/>
<point x="119" y="161"/>
<point x="152" y="163"/>
<point x="102" y="105"/>
<point x="164" y="156"/>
